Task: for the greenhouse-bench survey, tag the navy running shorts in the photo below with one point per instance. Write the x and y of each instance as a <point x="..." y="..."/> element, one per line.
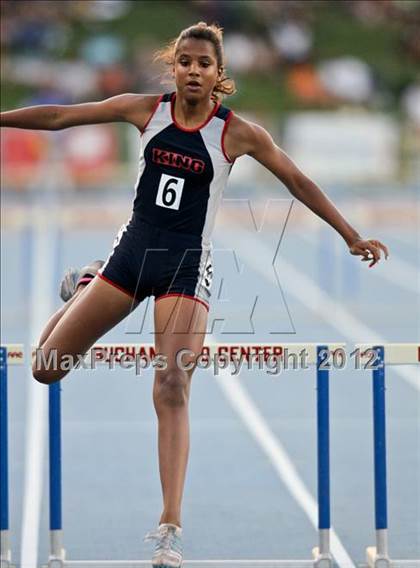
<point x="147" y="260"/>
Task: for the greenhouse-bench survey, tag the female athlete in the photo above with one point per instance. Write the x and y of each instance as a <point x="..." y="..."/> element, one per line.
<point x="189" y="143"/>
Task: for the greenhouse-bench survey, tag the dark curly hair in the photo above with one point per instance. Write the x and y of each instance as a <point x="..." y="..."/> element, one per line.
<point x="214" y="34"/>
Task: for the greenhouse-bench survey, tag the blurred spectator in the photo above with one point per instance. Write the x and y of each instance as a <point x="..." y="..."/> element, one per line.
<point x="77" y="78"/>
<point x="239" y="50"/>
<point x="347" y="78"/>
<point x="72" y="77"/>
<point x="98" y="10"/>
<point x="103" y="50"/>
<point x="34" y="28"/>
<point x="304" y="83"/>
<point x="22" y="152"/>
<point x="49" y="94"/>
<point x="113" y="80"/>
<point x="147" y="75"/>
<point x="244" y="53"/>
<point x="367" y="11"/>
<point x="293" y="41"/>
<point x="411" y="40"/>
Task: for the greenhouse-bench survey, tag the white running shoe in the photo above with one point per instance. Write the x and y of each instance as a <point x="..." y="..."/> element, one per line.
<point x="168" y="549"/>
<point x="73" y="277"/>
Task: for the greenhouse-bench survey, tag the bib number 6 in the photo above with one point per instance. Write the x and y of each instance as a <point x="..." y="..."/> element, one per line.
<point x="169" y="191"/>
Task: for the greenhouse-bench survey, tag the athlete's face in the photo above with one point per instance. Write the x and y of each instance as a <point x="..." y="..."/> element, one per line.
<point x="195" y="69"/>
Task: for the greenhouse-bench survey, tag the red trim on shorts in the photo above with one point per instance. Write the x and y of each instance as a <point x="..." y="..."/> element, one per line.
<point x="116" y="286"/>
<point x="154" y="109"/>
<point x="184" y="296"/>
<point x="228" y="119"/>
<point x="213" y="112"/>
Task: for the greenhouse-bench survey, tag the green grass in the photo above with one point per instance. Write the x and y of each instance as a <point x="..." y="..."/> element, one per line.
<point x="158" y="20"/>
<point x="11" y="95"/>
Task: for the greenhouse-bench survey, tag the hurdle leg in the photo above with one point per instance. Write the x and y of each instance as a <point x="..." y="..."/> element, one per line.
<point x="57" y="552"/>
<point x="377" y="556"/>
<point x="322" y="554"/>
<point x="5" y="551"/>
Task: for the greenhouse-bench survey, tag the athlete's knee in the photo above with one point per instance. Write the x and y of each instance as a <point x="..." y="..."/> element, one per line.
<point x="44" y="371"/>
<point x="171" y="388"/>
<point x="47" y="377"/>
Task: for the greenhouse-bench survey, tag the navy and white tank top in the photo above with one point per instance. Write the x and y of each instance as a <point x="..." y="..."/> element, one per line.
<point x="182" y="171"/>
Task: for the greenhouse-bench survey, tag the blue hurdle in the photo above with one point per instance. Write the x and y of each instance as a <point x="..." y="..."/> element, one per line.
<point x="377" y="556"/>
<point x="9" y="355"/>
<point x="54" y="443"/>
<point x="321" y="555"/>
<point x="388" y="354"/>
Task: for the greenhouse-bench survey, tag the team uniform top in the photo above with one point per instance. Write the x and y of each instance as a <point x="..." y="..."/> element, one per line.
<point x="165" y="249"/>
<point x="182" y="172"/>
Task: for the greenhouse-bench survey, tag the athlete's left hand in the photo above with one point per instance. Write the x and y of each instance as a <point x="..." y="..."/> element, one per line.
<point x="370" y="250"/>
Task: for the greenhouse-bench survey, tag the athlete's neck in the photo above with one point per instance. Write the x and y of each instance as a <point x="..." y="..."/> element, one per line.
<point x="191" y="114"/>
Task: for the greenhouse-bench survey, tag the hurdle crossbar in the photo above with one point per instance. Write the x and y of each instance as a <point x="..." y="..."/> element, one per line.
<point x="213" y="564"/>
<point x="186" y="563"/>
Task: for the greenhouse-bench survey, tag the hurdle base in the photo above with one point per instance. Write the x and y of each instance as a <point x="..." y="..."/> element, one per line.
<point x="322" y="560"/>
<point x="375" y="560"/>
<point x="56" y="560"/>
<point x="5" y="551"/>
<point x="6" y="563"/>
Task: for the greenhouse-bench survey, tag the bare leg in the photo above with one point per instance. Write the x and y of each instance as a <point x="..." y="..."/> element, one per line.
<point x="96" y="310"/>
<point x="55" y="318"/>
<point x="180" y="323"/>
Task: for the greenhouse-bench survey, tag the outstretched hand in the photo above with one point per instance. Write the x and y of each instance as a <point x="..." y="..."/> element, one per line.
<point x="370" y="250"/>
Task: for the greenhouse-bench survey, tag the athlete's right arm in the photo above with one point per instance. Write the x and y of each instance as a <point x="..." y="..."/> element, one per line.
<point x="128" y="107"/>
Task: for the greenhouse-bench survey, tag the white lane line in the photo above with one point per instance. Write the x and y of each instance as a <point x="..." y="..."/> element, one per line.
<point x="307" y="292"/>
<point x="34" y="458"/>
<point x="36" y="422"/>
<point x="270" y="444"/>
<point x="401" y="273"/>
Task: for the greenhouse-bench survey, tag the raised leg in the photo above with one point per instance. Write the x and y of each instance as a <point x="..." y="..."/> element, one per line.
<point x="95" y="311"/>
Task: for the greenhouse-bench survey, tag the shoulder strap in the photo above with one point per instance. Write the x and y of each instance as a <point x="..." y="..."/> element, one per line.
<point x="223" y="112"/>
<point x="166" y="97"/>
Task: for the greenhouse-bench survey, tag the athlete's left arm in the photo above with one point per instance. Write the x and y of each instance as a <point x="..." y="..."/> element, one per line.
<point x="255" y="141"/>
